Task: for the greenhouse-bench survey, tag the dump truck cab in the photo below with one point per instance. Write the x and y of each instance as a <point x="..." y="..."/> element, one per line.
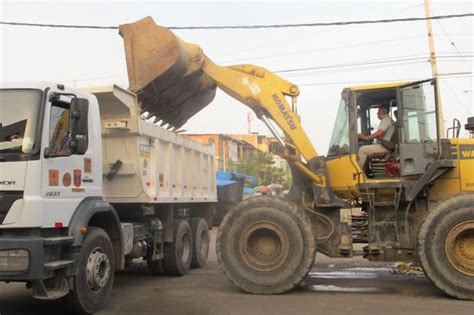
<point x="40" y="139"/>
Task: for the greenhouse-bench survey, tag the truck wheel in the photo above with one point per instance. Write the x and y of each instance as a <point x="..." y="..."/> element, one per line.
<point x="266" y="245"/>
<point x="178" y="254"/>
<point x="446" y="246"/>
<point x="201" y="240"/>
<point x="95" y="277"/>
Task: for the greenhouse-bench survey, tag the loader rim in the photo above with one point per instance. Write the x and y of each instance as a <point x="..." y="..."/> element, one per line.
<point x="459" y="247"/>
<point x="264" y="246"/>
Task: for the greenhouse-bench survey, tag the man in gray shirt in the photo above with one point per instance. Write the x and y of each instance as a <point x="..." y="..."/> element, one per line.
<point x="384" y="131"/>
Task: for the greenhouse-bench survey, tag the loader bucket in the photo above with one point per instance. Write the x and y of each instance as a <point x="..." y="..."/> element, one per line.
<point x="165" y="73"/>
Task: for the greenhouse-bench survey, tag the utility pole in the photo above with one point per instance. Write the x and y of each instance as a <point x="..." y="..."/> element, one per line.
<point x="434" y="69"/>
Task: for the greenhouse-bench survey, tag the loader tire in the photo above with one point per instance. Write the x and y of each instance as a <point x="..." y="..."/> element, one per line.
<point x="446" y="246"/>
<point x="201" y="240"/>
<point x="266" y="245"/>
<point x="178" y="255"/>
<point x="93" y="283"/>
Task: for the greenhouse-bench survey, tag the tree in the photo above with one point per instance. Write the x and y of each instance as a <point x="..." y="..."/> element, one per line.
<point x="260" y="165"/>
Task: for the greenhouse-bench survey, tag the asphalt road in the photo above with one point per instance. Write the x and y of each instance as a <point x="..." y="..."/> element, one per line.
<point x="334" y="286"/>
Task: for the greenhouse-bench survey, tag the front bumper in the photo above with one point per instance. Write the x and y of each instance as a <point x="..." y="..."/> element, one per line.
<point x="34" y="245"/>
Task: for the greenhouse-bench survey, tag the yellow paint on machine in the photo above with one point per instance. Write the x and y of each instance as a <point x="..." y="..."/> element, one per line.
<point x="466" y="163"/>
<point x="343" y="176"/>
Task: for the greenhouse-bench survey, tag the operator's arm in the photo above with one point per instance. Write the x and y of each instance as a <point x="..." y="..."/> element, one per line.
<point x="385" y="123"/>
<point x="375" y="135"/>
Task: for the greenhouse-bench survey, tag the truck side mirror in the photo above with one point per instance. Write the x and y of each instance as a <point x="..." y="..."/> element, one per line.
<point x="79" y="111"/>
<point x="79" y="114"/>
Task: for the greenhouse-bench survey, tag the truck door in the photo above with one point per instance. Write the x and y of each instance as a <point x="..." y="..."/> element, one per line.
<point x="67" y="177"/>
<point x="419" y="144"/>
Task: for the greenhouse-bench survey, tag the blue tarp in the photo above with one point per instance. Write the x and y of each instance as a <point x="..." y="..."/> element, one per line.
<point x="227" y="178"/>
<point x="248" y="191"/>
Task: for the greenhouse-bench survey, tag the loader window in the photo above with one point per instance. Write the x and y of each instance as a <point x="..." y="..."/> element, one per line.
<point x="339" y="144"/>
<point x="419" y="114"/>
<point x="59" y="135"/>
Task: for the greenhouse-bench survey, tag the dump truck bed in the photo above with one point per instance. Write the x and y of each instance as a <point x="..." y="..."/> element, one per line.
<point x="155" y="165"/>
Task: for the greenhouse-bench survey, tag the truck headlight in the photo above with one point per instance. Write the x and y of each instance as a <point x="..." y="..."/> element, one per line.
<point x="14" y="260"/>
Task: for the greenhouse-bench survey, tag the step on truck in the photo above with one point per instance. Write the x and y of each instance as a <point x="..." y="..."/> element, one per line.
<point x="87" y="184"/>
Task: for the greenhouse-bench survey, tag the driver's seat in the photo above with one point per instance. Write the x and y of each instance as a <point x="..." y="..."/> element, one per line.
<point x="385" y="164"/>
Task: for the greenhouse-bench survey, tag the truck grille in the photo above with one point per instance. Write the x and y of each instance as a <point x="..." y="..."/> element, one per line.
<point x="7" y="198"/>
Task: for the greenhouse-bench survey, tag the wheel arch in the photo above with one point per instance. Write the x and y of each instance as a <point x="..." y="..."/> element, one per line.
<point x="95" y="211"/>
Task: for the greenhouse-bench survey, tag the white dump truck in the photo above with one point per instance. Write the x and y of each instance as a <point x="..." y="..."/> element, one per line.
<point x="87" y="184"/>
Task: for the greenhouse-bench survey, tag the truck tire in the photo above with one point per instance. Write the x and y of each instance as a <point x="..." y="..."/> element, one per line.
<point x="446" y="246"/>
<point x="201" y="241"/>
<point x="178" y="254"/>
<point x="96" y="268"/>
<point x="266" y="245"/>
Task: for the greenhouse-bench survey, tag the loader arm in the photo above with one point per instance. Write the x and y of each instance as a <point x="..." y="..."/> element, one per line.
<point x="264" y="93"/>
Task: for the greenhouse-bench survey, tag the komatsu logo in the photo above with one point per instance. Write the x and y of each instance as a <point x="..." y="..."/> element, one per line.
<point x="7" y="182"/>
<point x="466" y="152"/>
<point x="284" y="112"/>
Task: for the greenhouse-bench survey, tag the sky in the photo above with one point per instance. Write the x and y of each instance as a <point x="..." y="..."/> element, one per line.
<point x="86" y="58"/>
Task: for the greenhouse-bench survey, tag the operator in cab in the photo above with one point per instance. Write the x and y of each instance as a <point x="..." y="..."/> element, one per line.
<point x="383" y="134"/>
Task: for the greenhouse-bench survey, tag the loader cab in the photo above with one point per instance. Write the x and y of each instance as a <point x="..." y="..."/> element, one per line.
<point x="413" y="111"/>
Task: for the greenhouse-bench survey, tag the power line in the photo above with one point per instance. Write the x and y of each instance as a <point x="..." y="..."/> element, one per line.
<point x="392" y="60"/>
<point x="358" y="69"/>
<point x="366" y="62"/>
<point x="293" y="38"/>
<point x="461" y="103"/>
<point x="451" y="41"/>
<point x="300" y="52"/>
<point x="325" y="49"/>
<point x="317" y="24"/>
<point x="377" y="81"/>
<point x="345" y="70"/>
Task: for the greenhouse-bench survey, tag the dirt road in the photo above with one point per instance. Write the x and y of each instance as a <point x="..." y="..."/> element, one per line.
<point x="345" y="286"/>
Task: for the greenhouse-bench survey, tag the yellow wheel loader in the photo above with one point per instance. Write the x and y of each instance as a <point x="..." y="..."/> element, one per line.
<point x="417" y="195"/>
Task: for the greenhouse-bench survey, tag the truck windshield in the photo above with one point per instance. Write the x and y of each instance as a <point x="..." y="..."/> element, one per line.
<point x="19" y="110"/>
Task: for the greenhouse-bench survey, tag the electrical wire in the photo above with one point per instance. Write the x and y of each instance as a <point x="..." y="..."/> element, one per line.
<point x="226" y="27"/>
<point x="358" y="69"/>
<point x="301" y="52"/>
<point x="293" y="38"/>
<point x="451" y="41"/>
<point x="325" y="49"/>
<point x="376" y="81"/>
<point x="364" y="62"/>
<point x="315" y="73"/>
<point x="353" y="69"/>
<point x="461" y="103"/>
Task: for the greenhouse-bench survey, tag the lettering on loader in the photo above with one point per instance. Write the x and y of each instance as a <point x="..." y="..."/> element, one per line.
<point x="285" y="114"/>
<point x="467" y="152"/>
